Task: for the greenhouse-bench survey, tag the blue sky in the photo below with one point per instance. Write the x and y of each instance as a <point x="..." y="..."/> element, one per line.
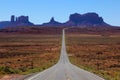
<point x="41" y="11"/>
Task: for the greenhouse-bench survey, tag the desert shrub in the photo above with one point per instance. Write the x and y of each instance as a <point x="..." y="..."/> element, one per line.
<point x="8" y="70"/>
<point x="23" y="69"/>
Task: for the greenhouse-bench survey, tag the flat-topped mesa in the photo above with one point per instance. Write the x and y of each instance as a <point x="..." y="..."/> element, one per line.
<point x="88" y="19"/>
<point x="92" y="18"/>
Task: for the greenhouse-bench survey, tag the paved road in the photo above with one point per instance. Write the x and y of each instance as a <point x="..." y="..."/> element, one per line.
<point x="64" y="70"/>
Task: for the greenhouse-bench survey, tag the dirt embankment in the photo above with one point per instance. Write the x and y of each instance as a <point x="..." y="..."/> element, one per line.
<point x="12" y="77"/>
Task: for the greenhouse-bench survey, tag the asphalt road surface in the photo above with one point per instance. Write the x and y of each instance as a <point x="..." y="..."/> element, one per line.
<point x="64" y="70"/>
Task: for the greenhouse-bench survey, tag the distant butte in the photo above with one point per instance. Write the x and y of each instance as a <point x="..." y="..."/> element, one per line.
<point x="88" y="19"/>
<point x="52" y="23"/>
<point x="21" y="20"/>
<point x="16" y="21"/>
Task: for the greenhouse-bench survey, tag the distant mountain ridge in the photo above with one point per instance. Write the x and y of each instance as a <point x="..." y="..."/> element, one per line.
<point x="76" y="19"/>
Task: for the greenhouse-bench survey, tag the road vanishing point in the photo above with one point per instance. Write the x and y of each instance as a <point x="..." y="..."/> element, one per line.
<point x="64" y="70"/>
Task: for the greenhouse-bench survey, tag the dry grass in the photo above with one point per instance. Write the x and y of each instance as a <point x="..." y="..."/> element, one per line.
<point x="96" y="53"/>
<point x="27" y="53"/>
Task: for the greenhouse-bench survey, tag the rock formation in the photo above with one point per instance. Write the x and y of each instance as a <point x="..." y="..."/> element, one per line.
<point x="12" y="18"/>
<point x="20" y="19"/>
<point x="88" y="19"/>
<point x="52" y="22"/>
<point x="84" y="20"/>
<point x="79" y="20"/>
